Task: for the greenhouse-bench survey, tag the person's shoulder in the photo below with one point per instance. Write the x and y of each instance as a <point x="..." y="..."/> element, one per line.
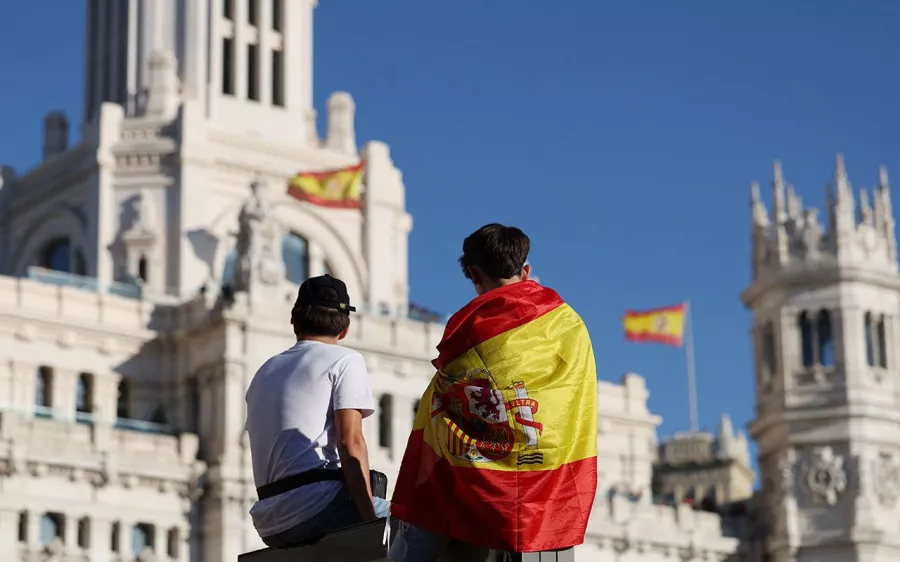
<point x="348" y="356"/>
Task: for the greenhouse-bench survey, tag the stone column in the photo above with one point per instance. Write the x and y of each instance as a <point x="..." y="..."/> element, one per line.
<point x="70" y="532"/>
<point x="316" y="258"/>
<point x="264" y="50"/>
<point x="160" y="541"/>
<point x="100" y="540"/>
<point x="63" y="387"/>
<point x="125" y="538"/>
<point x="34" y="529"/>
<point x="9" y="530"/>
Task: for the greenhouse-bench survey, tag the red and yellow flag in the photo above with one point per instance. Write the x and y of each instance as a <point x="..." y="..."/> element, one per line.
<point x="332" y="188"/>
<point x="503" y="451"/>
<point x="660" y="325"/>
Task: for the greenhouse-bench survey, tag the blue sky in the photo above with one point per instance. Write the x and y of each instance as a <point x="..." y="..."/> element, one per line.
<point x="622" y="136"/>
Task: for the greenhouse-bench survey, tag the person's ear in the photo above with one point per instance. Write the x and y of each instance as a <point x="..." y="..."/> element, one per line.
<point x="526" y="272"/>
<point x="476" y="276"/>
<point x="344" y="334"/>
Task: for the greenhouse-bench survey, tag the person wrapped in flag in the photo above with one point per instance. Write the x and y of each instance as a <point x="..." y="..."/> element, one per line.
<point x="503" y="452"/>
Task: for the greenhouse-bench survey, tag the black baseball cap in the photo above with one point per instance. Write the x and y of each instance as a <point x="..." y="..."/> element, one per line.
<point x="311" y="289"/>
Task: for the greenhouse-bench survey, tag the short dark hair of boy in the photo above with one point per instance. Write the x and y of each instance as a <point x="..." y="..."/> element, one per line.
<point x="500" y="252"/>
<point x="315" y="320"/>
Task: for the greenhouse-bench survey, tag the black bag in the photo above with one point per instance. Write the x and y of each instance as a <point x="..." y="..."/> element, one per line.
<point x="377" y="480"/>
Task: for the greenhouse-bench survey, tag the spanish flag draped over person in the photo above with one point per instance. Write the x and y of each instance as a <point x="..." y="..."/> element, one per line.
<point x="503" y="452"/>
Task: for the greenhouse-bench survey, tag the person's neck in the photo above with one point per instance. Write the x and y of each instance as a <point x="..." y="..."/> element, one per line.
<point x="497" y="283"/>
<point x="320" y="339"/>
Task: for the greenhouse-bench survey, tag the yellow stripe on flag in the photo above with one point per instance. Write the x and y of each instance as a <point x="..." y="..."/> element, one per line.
<point x="333" y="188"/>
<point x="660" y="325"/>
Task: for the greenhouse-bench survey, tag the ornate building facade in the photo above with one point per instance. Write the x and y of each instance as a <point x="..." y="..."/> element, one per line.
<point x="148" y="270"/>
<point x="825" y="304"/>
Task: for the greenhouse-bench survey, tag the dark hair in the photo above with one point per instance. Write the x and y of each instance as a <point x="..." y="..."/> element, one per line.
<point x="500" y="252"/>
<point x="315" y="320"/>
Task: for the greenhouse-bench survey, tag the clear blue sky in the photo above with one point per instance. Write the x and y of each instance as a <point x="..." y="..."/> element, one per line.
<point x="622" y="136"/>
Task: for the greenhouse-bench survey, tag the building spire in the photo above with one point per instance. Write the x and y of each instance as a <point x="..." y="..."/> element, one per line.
<point x="778" y="213"/>
<point x="758" y="208"/>
<point x="883" y="201"/>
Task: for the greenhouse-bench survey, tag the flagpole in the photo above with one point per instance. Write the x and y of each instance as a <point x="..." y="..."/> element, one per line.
<point x="691" y="372"/>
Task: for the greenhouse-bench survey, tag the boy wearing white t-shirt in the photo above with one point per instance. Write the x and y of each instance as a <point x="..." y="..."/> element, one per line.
<point x="305" y="408"/>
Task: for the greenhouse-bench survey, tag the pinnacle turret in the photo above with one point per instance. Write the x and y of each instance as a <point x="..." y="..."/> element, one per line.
<point x="792" y="237"/>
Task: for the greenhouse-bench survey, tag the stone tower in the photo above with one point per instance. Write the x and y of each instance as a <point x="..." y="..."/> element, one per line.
<point x="231" y="60"/>
<point x="705" y="468"/>
<point x="825" y="302"/>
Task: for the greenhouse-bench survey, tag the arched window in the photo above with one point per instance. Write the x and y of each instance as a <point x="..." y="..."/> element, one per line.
<point x="84" y="533"/>
<point x="816" y="338"/>
<point x="172" y="541"/>
<point x="23" y="526"/>
<point x="806" y="339"/>
<point x="141" y="538"/>
<point x="114" y="537"/>
<point x="42" y="386"/>
<point x="60" y="255"/>
<point x="295" y="253"/>
<point x="83" y="393"/>
<point x="142" y="268"/>
<point x="825" y="340"/>
<point x="876" y="340"/>
<point x="767" y="352"/>
<point x="57" y="255"/>
<point x="51" y="528"/>
<point x="122" y="399"/>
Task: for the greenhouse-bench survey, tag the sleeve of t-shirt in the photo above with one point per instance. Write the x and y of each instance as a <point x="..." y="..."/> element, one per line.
<point x="352" y="388"/>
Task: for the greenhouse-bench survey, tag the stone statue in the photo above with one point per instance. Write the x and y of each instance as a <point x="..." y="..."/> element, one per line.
<point x="258" y="242"/>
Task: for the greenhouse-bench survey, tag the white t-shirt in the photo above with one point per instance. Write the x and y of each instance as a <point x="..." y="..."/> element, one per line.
<point x="290" y="421"/>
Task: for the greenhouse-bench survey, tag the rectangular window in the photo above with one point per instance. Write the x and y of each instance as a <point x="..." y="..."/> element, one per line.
<point x="23" y="526"/>
<point x="228" y="66"/>
<point x="253" y="12"/>
<point x="278" y="78"/>
<point x="228" y="9"/>
<point x="385" y="413"/>
<point x="114" y="537"/>
<point x="253" y="72"/>
<point x="84" y="533"/>
<point x="277" y="14"/>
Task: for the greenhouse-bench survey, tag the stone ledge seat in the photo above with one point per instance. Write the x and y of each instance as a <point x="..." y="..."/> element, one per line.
<point x="359" y="543"/>
<point x="363" y="543"/>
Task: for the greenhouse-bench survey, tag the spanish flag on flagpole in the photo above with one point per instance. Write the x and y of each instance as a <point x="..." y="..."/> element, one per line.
<point x="659" y="325"/>
<point x="503" y="452"/>
<point x="670" y="325"/>
<point x="338" y="189"/>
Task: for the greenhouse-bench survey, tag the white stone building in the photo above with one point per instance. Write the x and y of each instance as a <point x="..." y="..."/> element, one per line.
<point x="825" y="302"/>
<point x="123" y="362"/>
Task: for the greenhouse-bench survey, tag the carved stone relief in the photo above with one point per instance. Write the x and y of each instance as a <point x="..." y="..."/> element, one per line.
<point x="826" y="477"/>
<point x="886" y="479"/>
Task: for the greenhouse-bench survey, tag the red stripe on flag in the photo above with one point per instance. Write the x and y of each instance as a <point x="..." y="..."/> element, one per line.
<point x="328" y="173"/>
<point x="645" y="337"/>
<point x="523" y="511"/>
<point x="492" y="314"/>
<point x="298" y="193"/>
<point x="658" y="310"/>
